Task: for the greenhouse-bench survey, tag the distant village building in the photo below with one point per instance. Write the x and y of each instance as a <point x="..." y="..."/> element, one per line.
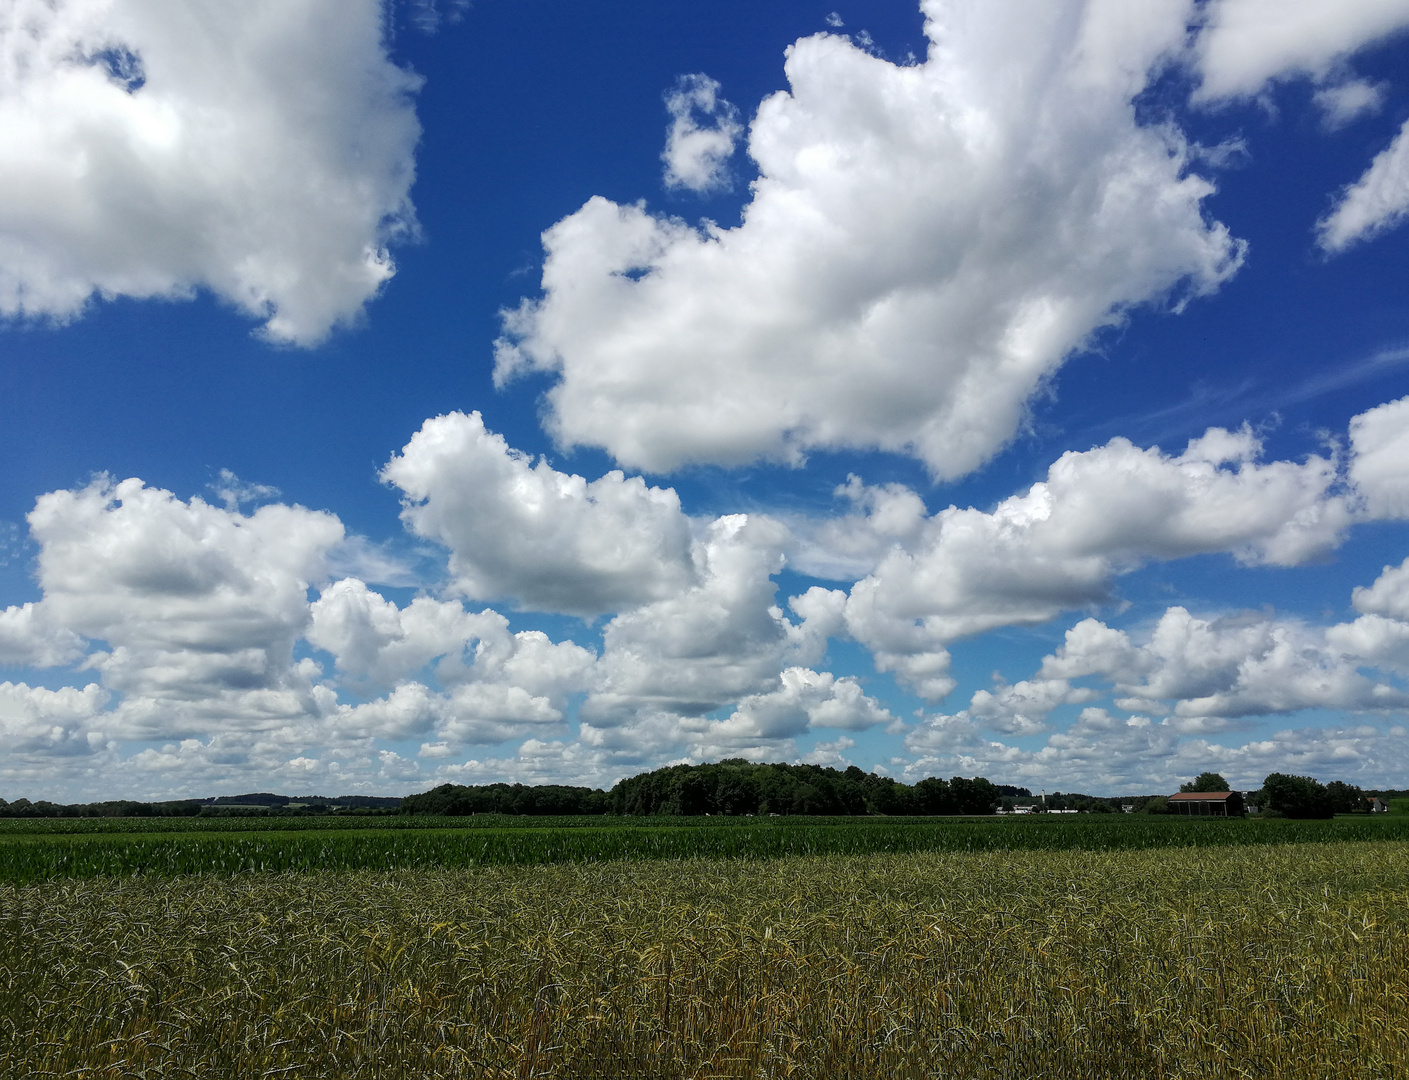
<point x="1207" y="803"/>
<point x="1377" y="805"/>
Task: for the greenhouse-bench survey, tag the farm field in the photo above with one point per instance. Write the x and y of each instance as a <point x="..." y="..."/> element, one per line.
<point x="33" y="850"/>
<point x="1269" y="960"/>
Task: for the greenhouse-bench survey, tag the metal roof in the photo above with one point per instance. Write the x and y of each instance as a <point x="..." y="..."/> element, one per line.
<point x="1203" y="796"/>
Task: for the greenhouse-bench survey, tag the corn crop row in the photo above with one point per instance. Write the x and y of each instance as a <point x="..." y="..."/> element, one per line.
<point x="47" y="857"/>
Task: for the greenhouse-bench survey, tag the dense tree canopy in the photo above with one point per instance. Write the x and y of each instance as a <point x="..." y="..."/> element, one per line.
<point x="259" y="803"/>
<point x="23" y="808"/>
<point x="459" y="800"/>
<point x="1346" y="798"/>
<point x="731" y="788"/>
<point x="1296" y="797"/>
<point x="1207" y="781"/>
<point x="736" y="786"/>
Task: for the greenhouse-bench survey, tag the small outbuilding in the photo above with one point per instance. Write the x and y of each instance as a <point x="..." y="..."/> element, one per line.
<point x="1207" y="803"/>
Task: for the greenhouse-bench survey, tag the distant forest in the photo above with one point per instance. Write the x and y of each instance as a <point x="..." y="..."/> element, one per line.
<point x="258" y="804"/>
<point x="732" y="788"/>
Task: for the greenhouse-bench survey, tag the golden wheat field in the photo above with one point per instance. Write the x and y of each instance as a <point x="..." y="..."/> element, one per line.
<point x="1287" y="961"/>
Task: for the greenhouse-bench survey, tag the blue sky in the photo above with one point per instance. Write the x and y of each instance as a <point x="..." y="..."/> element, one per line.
<point x="521" y="391"/>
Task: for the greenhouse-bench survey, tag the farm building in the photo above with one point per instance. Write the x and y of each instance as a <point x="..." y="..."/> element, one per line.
<point x="1207" y="803"/>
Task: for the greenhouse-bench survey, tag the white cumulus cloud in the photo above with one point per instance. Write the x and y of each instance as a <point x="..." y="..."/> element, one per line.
<point x="1197" y="669"/>
<point x="35" y="718"/>
<point x="668" y="664"/>
<point x="1186" y="679"/>
<point x="260" y="150"/>
<point x="26" y="639"/>
<point x="1023" y="708"/>
<point x="195" y="609"/>
<point x="1379" y="464"/>
<point x="1388" y="595"/>
<point x="1246" y="43"/>
<point x="494" y="681"/>
<point x="544" y="539"/>
<point x="1060" y="545"/>
<point x="923" y="247"/>
<point x="196" y="619"/>
<point x="472" y="713"/>
<point x="700" y="141"/>
<point x="804" y="700"/>
<point x="373" y="640"/>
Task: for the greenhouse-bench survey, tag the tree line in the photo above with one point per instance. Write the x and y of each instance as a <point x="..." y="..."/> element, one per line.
<point x="736" y="787"/>
<point x="733" y="787"/>
<point x="261" y="804"/>
<point x="43" y="808"/>
<point x="1306" y="797"/>
<point x="460" y="800"/>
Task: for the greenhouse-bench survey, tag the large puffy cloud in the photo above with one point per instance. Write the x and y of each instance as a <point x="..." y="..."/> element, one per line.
<point x="497" y="684"/>
<point x="194" y="614"/>
<point x="764" y="724"/>
<point x="923" y="247"/>
<point x="208" y="610"/>
<point x="1379" y="466"/>
<point x="1380" y="636"/>
<point x="374" y="641"/>
<point x="710" y="643"/>
<point x="1098" y="753"/>
<point x="1388" y="595"/>
<point x="668" y="664"/>
<point x="48" y="744"/>
<point x="1201" y="669"/>
<point x="54" y="721"/>
<point x="473" y="713"/>
<point x="199" y="608"/>
<point x="197" y="613"/>
<point x="1059" y="545"/>
<point x="848" y="546"/>
<point x="1197" y="676"/>
<point x="1245" y="43"/>
<point x="544" y="539"/>
<point x="1023" y="708"/>
<point x="26" y="639"/>
<point x="260" y="150"/>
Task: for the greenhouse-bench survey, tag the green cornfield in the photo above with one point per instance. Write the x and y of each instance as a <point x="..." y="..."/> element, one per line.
<point x="47" y="850"/>
<point x="1258" y="960"/>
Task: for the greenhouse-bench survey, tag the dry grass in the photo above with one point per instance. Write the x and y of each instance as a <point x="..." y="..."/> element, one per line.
<point x="1248" y="962"/>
